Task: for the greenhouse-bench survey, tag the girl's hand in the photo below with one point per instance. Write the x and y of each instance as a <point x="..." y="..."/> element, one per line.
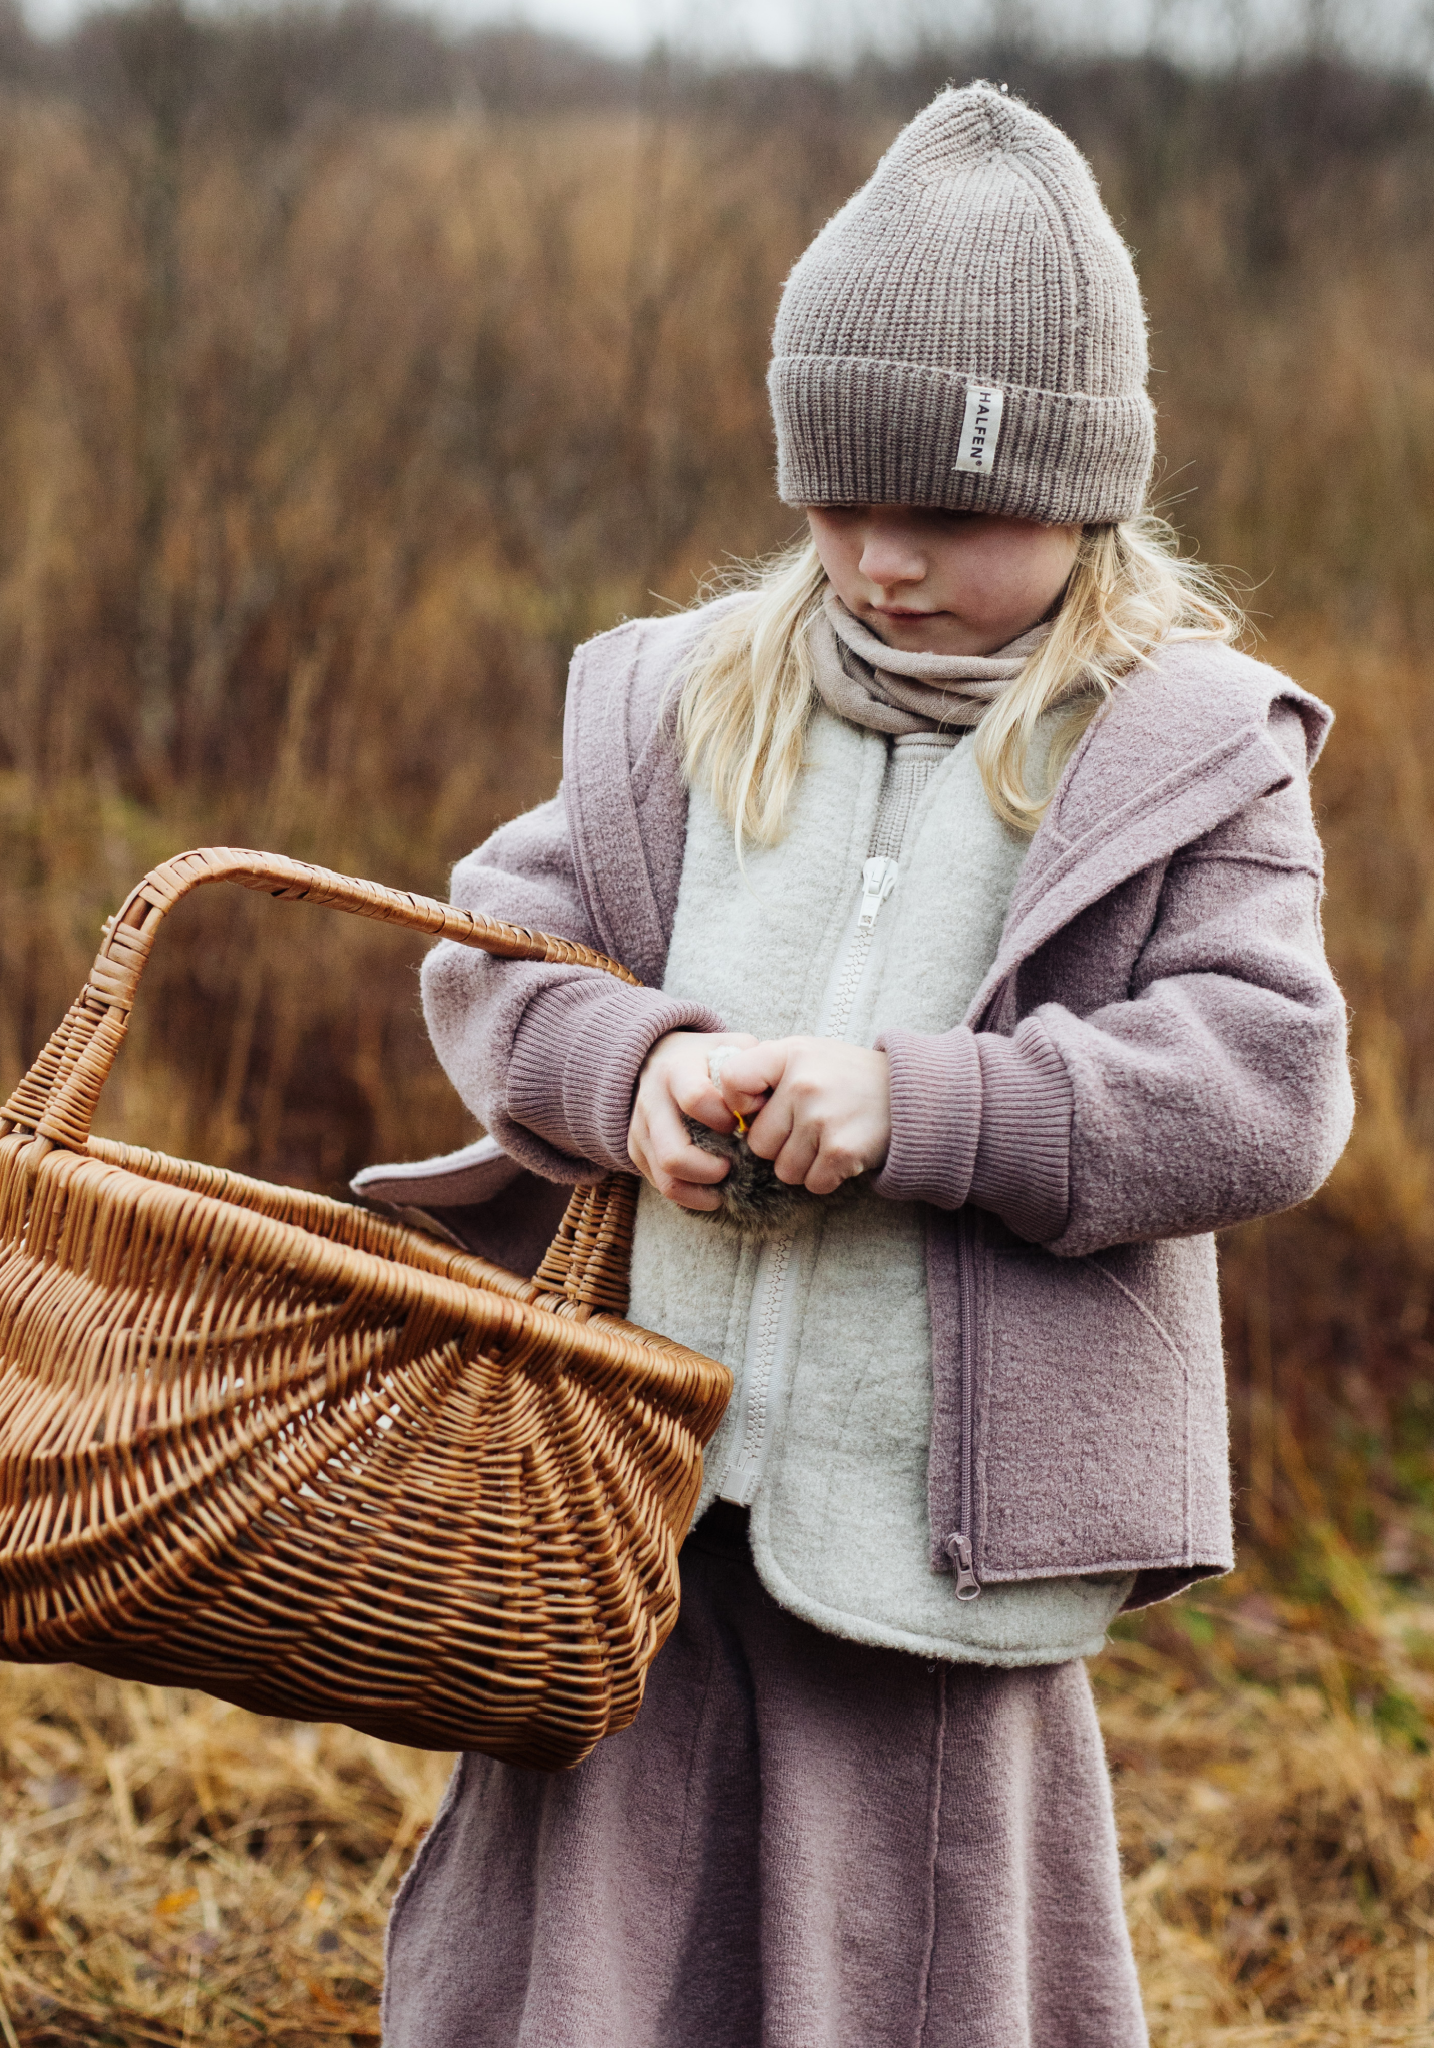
<point x="819" y="1108"/>
<point x="674" y="1083"/>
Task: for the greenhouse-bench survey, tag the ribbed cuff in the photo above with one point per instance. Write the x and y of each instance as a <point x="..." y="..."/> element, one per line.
<point x="935" y="1117"/>
<point x="983" y="1119"/>
<point x="1022" y="1169"/>
<point x="576" y="1057"/>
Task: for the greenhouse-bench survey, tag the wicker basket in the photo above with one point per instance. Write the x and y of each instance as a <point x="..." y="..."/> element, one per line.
<point x="271" y="1445"/>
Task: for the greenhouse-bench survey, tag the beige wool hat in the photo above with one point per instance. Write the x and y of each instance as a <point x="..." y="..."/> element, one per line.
<point x="967" y="332"/>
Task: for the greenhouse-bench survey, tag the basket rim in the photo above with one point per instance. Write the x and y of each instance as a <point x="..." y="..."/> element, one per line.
<point x="390" y="1283"/>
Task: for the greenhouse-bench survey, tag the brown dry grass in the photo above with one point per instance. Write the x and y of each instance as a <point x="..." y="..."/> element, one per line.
<point x="1277" y="1828"/>
<point x="178" y="1871"/>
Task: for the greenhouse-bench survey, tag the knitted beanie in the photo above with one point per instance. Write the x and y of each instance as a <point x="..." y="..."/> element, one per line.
<point x="967" y="332"/>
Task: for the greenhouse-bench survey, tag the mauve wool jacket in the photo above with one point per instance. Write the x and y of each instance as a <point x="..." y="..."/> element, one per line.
<point x="1157" y="1051"/>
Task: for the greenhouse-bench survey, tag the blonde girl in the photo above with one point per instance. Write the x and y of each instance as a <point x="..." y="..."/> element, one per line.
<point x="971" y="876"/>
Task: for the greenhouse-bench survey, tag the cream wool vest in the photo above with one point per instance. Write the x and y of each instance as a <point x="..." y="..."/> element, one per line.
<point x="827" y="1330"/>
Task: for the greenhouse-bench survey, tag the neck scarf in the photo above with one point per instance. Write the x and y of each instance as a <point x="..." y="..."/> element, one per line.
<point x="876" y="686"/>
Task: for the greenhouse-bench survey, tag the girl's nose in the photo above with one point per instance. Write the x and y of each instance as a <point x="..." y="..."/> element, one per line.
<point x="889" y="557"/>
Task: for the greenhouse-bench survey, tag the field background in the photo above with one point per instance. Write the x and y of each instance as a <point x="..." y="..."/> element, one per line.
<point x="348" y="377"/>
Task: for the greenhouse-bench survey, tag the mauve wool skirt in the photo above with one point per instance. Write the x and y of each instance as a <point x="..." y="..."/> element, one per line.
<point x="801" y="1842"/>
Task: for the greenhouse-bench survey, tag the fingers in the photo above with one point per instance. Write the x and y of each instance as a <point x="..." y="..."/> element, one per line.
<point x="779" y="1128"/>
<point x="691" y="1084"/>
<point x="828" y="1117"/>
<point x="674" y="1083"/>
<point x="832" y="1166"/>
<point x="705" y="1106"/>
<point x="818" y="1109"/>
<point x="792" y="1128"/>
<point x="747" y="1077"/>
<point x="665" y="1155"/>
<point x="687" y="1195"/>
<point x="805" y="1151"/>
<point x="674" y="1185"/>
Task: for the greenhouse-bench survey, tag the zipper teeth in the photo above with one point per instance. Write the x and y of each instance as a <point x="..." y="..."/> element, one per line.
<point x="775" y="1287"/>
<point x="851" y="980"/>
<point x="762" y="1364"/>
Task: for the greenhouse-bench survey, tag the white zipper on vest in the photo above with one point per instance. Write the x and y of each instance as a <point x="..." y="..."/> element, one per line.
<point x="878" y="879"/>
<point x="769" y="1300"/>
<point x="777" y="1270"/>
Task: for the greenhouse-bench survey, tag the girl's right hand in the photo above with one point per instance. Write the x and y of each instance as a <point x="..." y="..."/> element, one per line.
<point x="674" y="1083"/>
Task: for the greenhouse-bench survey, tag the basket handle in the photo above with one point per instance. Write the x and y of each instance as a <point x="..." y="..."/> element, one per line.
<point x="56" y="1100"/>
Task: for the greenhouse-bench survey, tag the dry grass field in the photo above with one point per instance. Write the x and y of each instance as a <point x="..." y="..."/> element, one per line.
<point x="180" y="1872"/>
<point x="349" y="379"/>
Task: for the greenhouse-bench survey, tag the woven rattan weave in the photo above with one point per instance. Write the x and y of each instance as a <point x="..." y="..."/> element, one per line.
<point x="274" y="1446"/>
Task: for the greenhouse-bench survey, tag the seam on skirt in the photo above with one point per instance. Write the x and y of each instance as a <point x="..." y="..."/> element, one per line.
<point x="704" y="1715"/>
<point x="938" y="1772"/>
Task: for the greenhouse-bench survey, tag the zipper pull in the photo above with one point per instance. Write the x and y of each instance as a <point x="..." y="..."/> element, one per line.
<point x="958" y="1549"/>
<point x="878" y="879"/>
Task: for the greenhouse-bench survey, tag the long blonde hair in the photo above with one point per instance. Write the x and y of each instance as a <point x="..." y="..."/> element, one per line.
<point x="748" y="692"/>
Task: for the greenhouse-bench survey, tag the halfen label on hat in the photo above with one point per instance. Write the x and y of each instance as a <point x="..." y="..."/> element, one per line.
<point x="981" y="429"/>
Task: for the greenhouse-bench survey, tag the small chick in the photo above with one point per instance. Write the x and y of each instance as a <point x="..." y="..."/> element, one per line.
<point x="753" y="1199"/>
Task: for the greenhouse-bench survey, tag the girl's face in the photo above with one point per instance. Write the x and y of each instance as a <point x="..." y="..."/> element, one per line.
<point x="942" y="582"/>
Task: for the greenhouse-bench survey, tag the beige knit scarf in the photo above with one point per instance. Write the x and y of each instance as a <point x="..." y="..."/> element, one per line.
<point x="870" y="684"/>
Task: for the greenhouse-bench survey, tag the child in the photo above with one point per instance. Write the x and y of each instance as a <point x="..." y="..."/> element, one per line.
<point x="966" y="862"/>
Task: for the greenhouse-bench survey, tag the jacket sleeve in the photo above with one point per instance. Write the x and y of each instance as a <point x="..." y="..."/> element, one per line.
<point x="546" y="1058"/>
<point x="1217" y="1089"/>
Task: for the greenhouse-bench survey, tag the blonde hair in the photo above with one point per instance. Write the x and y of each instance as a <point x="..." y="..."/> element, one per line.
<point x="749" y="689"/>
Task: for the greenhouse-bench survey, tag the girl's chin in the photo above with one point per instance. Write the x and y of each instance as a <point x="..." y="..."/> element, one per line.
<point x="927" y="633"/>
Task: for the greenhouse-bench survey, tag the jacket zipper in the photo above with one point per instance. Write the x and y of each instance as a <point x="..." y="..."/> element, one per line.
<point x="878" y="879"/>
<point x="958" y="1545"/>
<point x="746" y="1467"/>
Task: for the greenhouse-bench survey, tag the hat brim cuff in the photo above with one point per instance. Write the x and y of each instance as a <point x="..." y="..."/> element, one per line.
<point x="858" y="431"/>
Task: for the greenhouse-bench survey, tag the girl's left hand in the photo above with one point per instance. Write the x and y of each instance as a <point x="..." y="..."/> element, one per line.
<point x="819" y="1108"/>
